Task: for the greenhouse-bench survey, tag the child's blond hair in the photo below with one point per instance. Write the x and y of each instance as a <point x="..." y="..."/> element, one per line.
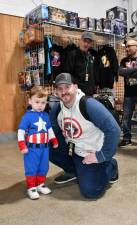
<point x="39" y="91"/>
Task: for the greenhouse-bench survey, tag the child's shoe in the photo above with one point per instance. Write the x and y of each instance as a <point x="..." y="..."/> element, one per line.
<point x="43" y="189"/>
<point x="32" y="193"/>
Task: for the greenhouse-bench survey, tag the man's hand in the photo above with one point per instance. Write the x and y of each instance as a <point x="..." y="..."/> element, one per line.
<point x="90" y="158"/>
<point x="55" y="146"/>
<point x="24" y="151"/>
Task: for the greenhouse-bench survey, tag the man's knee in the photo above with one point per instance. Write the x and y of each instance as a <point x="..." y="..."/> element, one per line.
<point x="92" y="193"/>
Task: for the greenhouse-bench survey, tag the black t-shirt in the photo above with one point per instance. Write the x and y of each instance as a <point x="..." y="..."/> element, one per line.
<point x="130" y="82"/>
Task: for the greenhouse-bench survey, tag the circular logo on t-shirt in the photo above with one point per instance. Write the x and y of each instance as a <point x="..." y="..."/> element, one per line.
<point x="72" y="128"/>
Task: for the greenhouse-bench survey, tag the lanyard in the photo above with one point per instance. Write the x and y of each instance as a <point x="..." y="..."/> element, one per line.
<point x="86" y="69"/>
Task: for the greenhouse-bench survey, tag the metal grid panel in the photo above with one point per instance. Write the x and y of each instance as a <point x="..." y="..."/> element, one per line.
<point x="65" y="35"/>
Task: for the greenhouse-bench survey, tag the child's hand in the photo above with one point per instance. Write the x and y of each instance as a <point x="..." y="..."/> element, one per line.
<point x="24" y="151"/>
<point x="55" y="146"/>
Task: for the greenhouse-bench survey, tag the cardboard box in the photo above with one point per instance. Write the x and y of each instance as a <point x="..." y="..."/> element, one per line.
<point x="58" y="16"/>
<point x="83" y="22"/>
<point x="106" y="24"/>
<point x="118" y="27"/>
<point x="91" y="24"/>
<point x="117" y="13"/>
<point x="99" y="25"/>
<point x="72" y="19"/>
<point x="33" y="35"/>
<point x="37" y="15"/>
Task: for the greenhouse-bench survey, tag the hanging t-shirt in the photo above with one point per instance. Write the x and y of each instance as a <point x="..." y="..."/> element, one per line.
<point x="106" y="67"/>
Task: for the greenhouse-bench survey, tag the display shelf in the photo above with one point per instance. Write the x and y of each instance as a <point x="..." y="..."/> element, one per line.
<point x="80" y="29"/>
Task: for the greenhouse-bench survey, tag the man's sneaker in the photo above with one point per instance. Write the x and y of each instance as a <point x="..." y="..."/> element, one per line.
<point x="32" y="193"/>
<point x="65" y="178"/>
<point x="43" y="189"/>
<point x="114" y="179"/>
<point x="125" y="144"/>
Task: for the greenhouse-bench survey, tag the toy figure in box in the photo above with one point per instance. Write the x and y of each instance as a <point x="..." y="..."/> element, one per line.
<point x="57" y="15"/>
<point x="41" y="56"/>
<point x="37" y="15"/>
<point x="27" y="59"/>
<point x="117" y="13"/>
<point x="33" y="59"/>
<point x="29" y="79"/>
<point x="36" y="77"/>
<point x="91" y="24"/>
<point x="72" y="19"/>
<point x="99" y="25"/>
<point x="106" y="25"/>
<point x="21" y="79"/>
<point x="83" y="23"/>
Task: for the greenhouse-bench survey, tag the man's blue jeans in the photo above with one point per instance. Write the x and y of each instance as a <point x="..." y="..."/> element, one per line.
<point x="93" y="178"/>
<point x="128" y="109"/>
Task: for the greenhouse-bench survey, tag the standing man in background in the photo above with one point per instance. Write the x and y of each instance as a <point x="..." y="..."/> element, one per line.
<point x="79" y="63"/>
<point x="128" y="69"/>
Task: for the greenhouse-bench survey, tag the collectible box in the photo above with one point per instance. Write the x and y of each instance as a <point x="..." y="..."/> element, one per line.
<point x="91" y="24"/>
<point x="33" y="35"/>
<point x="72" y="19"/>
<point x="106" y="24"/>
<point x="117" y="13"/>
<point x="83" y="22"/>
<point x="58" y="16"/>
<point x="37" y="15"/>
<point x="99" y="26"/>
<point x="118" y="27"/>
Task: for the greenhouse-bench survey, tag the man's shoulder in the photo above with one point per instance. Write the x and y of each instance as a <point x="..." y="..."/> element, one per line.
<point x="84" y="103"/>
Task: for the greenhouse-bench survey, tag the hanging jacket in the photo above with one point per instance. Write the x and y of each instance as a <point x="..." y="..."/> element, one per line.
<point x="47" y="51"/>
<point x="106" y="67"/>
<point x="80" y="64"/>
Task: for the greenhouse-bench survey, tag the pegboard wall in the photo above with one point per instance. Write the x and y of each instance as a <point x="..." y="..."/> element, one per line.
<point x="62" y="35"/>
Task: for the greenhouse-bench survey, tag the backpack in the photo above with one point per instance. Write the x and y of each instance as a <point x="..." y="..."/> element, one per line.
<point x="82" y="107"/>
<point x="106" y="102"/>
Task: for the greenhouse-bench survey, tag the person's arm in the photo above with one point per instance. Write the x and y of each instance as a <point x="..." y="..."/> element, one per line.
<point x="22" y="134"/>
<point x="128" y="72"/>
<point x="104" y="120"/>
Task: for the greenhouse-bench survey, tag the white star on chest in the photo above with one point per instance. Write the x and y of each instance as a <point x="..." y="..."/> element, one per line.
<point x="41" y="124"/>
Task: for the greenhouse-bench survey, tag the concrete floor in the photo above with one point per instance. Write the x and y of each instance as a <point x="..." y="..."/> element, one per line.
<point x="66" y="206"/>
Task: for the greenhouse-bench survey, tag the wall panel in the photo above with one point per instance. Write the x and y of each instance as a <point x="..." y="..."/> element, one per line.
<point x="11" y="62"/>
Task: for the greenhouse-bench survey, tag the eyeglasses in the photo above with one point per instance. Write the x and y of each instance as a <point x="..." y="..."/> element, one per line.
<point x="128" y="46"/>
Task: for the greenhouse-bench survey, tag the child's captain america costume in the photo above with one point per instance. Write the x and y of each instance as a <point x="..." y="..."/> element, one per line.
<point x="34" y="133"/>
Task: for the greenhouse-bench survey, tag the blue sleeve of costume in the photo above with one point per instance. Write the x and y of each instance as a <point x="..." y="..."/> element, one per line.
<point x="48" y="122"/>
<point x="24" y="122"/>
<point x="104" y="120"/>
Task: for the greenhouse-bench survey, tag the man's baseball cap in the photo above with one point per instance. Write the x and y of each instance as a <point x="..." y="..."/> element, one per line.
<point x="87" y="35"/>
<point x="64" y="78"/>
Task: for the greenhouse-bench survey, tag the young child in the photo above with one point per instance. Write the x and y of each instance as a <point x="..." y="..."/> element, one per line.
<point x="34" y="134"/>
